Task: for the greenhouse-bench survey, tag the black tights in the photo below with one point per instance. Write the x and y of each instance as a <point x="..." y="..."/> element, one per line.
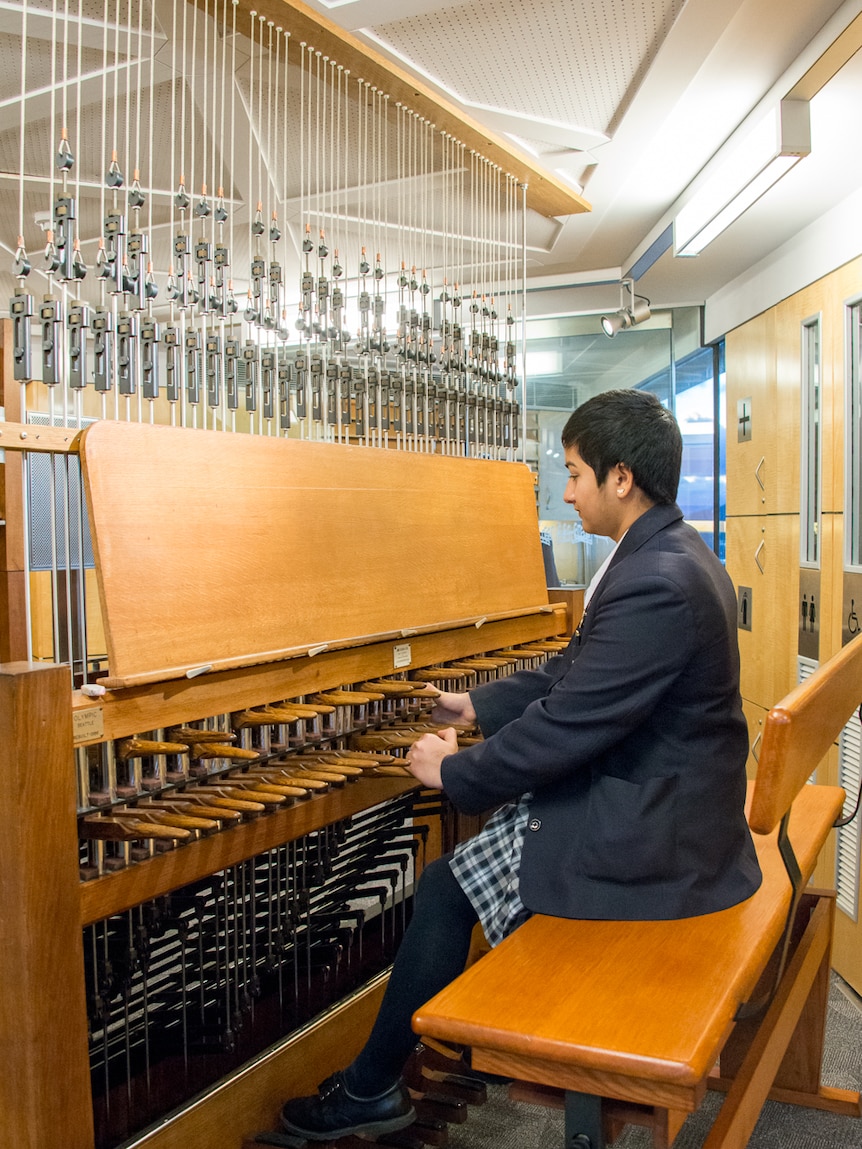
<point x="431" y="955"/>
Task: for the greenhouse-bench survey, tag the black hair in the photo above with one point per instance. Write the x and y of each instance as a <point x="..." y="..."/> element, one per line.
<point x="630" y="427"/>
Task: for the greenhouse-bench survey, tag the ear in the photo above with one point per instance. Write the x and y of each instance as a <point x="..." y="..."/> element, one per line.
<point x="623" y="479"/>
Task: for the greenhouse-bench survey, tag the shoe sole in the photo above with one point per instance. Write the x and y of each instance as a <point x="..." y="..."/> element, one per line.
<point x="390" y="1126"/>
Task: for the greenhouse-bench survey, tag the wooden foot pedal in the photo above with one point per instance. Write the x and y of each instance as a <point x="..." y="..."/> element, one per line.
<point x="285" y="1140"/>
<point x="431" y="1130"/>
<point x="439" y="1106"/>
<point x="465" y="1088"/>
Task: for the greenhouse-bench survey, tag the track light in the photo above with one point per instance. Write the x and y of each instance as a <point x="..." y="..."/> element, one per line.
<point x="637" y="311"/>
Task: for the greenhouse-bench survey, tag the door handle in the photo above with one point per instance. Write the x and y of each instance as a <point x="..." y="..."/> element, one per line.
<point x="757" y="472"/>
<point x="755" y="747"/>
<point x="757" y="555"/>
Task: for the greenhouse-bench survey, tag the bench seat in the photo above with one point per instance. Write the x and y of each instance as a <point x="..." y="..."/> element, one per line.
<point x="638" y="1011"/>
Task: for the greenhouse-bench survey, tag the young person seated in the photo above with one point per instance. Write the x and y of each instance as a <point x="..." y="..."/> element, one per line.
<point x="617" y="769"/>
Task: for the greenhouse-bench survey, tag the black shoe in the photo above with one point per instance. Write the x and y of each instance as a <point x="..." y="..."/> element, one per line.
<point x="335" y="1112"/>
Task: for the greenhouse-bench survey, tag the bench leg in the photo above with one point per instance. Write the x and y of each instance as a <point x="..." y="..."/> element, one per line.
<point x="797" y="1080"/>
<point x="663" y="1124"/>
<point x="752" y="1084"/>
<point x="583" y="1121"/>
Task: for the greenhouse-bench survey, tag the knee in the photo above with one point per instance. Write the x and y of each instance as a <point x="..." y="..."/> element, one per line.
<point x="436" y="880"/>
<point x="439" y="891"/>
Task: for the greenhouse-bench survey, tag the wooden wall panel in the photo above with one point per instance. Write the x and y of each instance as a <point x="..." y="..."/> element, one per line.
<point x="768" y="650"/>
<point x="755" y="716"/>
<point x="831" y="584"/>
<point x="750" y="360"/>
<point x="787" y="410"/>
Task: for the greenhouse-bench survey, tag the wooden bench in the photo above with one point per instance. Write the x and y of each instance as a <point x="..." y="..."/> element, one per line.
<point x="633" y="1021"/>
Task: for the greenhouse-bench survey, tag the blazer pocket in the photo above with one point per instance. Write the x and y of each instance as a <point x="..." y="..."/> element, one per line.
<point x="631" y="830"/>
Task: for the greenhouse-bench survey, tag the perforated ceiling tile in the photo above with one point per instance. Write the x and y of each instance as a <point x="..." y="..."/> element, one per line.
<point x="511" y="55"/>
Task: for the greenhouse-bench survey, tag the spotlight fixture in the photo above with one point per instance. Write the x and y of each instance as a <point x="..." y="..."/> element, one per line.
<point x="637" y="311"/>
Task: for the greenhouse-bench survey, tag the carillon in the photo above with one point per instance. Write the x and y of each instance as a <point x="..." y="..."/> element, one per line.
<point x="253" y="236"/>
<point x="221" y="646"/>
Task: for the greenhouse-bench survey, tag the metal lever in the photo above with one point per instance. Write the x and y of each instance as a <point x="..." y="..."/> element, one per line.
<point x="21" y="310"/>
<point x="78" y="322"/>
<point x="757" y="556"/>
<point x="149" y="358"/>
<point x="757" y="472"/>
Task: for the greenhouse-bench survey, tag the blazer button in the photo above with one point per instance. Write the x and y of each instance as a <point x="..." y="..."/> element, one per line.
<point x="535" y="823"/>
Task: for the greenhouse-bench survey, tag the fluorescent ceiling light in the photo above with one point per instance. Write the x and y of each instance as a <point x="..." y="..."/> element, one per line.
<point x="769" y="150"/>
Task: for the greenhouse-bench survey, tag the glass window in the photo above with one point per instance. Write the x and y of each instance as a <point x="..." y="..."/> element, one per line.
<point x="572" y="360"/>
<point x="853" y="440"/>
<point x="811" y="445"/>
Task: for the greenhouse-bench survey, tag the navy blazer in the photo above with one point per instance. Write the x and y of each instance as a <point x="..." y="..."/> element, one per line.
<point x="632" y="743"/>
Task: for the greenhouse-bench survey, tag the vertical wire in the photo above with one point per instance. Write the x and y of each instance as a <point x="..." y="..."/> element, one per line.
<point x="303" y="224"/>
<point x="185" y="170"/>
<point x="62" y="359"/>
<point x="222" y="135"/>
<point x="286" y="150"/>
<point x="150" y="173"/>
<point x="193" y="119"/>
<point x="380" y="178"/>
<point x="231" y="169"/>
<point x="205" y="135"/>
<point x="140" y="62"/>
<point x="523" y="321"/>
<point x="269" y="130"/>
<point x="318" y="149"/>
<point x="22" y="119"/>
<point x="22" y="389"/>
<point x="262" y="182"/>
<point x="251" y="198"/>
<point x="206" y="319"/>
<point x="338" y="219"/>
<point x="388" y="236"/>
<point x="127" y="101"/>
<point x="172" y="186"/>
<point x="137" y="170"/>
<point x="218" y="304"/>
<point x="189" y="318"/>
<point x="78" y="395"/>
<point x="52" y="459"/>
<point x="203" y="318"/>
<point x="103" y="399"/>
<point x="115" y="153"/>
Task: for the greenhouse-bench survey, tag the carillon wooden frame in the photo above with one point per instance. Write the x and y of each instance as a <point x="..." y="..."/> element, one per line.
<point x="42" y="1010"/>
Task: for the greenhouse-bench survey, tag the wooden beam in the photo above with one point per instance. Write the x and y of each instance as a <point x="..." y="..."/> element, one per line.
<point x="45" y="1083"/>
<point x="545" y="194"/>
<point x="30" y="437"/>
<point x="842" y="49"/>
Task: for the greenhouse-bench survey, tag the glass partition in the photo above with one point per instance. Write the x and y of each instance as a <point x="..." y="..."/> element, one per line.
<point x="569" y="359"/>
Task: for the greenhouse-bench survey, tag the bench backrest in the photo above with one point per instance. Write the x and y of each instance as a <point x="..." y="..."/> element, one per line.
<point x="799" y="731"/>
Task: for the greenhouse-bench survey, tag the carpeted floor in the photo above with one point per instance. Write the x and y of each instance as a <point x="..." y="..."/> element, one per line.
<point x="504" y="1124"/>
